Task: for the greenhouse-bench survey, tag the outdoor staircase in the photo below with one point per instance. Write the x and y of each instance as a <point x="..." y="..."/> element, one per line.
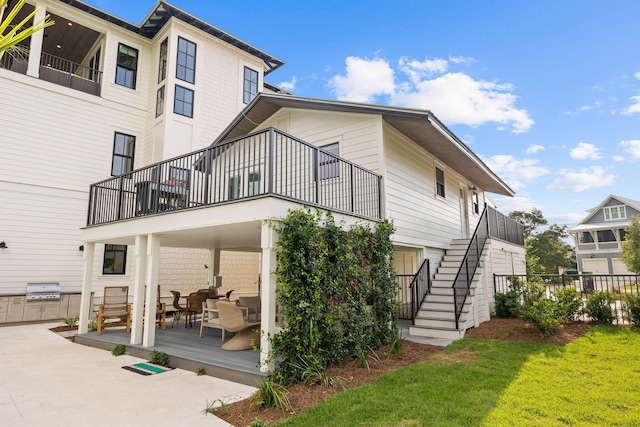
<point x="436" y="317"/>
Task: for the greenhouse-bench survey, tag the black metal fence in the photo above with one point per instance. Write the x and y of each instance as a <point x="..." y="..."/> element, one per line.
<point x="412" y="289"/>
<point x="618" y="286"/>
<point x="265" y="163"/>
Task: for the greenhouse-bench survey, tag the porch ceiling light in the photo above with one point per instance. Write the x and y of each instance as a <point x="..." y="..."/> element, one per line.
<point x="81" y="248"/>
<point x="3" y="245"/>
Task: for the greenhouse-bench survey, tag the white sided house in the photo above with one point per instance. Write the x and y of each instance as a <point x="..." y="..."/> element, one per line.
<point x="93" y="97"/>
<point x="363" y="163"/>
<point x="599" y="236"/>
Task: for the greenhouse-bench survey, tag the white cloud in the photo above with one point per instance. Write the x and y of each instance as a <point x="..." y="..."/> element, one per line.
<point x="637" y="75"/>
<point x="632" y="147"/>
<point x="517" y="203"/>
<point x="584" y="179"/>
<point x="586" y="151"/>
<point x="462" y="60"/>
<point x="290" y="85"/>
<point x="534" y="148"/>
<point x="618" y="158"/>
<point x="633" y="108"/>
<point x="597" y="104"/>
<point x="364" y="80"/>
<point x="454" y="97"/>
<point x="515" y="171"/>
<point x="570" y="219"/>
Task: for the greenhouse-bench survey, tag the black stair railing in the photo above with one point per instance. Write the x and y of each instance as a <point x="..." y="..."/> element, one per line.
<point x="491" y="224"/>
<point x="420" y="287"/>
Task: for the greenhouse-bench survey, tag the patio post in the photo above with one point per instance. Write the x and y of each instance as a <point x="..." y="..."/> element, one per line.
<point x="138" y="289"/>
<point x="153" y="266"/>
<point x="214" y="267"/>
<point x="85" y="298"/>
<point x="269" y="241"/>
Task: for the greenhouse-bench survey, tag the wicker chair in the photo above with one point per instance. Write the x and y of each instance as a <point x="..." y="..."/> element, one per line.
<point x="231" y="320"/>
<point x="194" y="306"/>
<point x="161" y="312"/>
<point x="115" y="305"/>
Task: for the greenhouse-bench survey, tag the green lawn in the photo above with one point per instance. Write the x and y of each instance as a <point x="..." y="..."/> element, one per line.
<point x="474" y="382"/>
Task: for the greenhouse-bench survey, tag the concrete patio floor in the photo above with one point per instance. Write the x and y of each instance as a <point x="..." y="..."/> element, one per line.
<point x="47" y="380"/>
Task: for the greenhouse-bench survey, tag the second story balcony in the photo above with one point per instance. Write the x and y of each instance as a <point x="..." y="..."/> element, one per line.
<point x="268" y="163"/>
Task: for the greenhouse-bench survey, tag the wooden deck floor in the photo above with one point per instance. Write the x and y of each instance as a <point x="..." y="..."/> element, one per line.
<point x="187" y="351"/>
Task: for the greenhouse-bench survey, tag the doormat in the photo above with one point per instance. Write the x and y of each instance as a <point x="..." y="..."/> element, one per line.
<point x="147" y="368"/>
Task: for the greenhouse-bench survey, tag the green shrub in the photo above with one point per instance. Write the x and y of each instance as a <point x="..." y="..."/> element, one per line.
<point x="217" y="406"/>
<point x="543" y="314"/>
<point x="271" y="394"/>
<point x="599" y="309"/>
<point x="568" y="304"/>
<point x="200" y="372"/>
<point x="93" y="325"/>
<point x="631" y="309"/>
<point x="119" y="350"/>
<point x="507" y="304"/>
<point x="71" y="321"/>
<point x="159" y="358"/>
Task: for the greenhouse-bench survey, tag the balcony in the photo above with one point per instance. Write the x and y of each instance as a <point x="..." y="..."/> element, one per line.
<point x="268" y="163"/>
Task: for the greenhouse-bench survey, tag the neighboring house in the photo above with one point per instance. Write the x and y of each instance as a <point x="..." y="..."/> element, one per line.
<point x="599" y="236"/>
<point x="95" y="96"/>
<point x="362" y="162"/>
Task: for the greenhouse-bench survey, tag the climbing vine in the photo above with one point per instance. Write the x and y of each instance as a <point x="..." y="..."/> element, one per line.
<point x="336" y="289"/>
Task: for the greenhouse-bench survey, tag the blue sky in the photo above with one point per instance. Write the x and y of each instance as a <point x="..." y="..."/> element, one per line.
<point x="547" y="93"/>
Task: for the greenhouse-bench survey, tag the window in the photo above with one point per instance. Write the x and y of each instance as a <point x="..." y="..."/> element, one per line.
<point x="186" y="65"/>
<point x="94" y="65"/>
<point x="606" y="236"/>
<point x="328" y="163"/>
<point x="585" y="237"/>
<point x="234" y="187"/>
<point x="612" y="213"/>
<point x="623" y="234"/>
<point x="162" y="63"/>
<point x="183" y="102"/>
<point x="475" y="201"/>
<point x="250" y="85"/>
<point x="440" y="182"/>
<point x="123" y="149"/>
<point x="115" y="259"/>
<point x="254" y="184"/>
<point x="127" y="67"/>
<point x="160" y="102"/>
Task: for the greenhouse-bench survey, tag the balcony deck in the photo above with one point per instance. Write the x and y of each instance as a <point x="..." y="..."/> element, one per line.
<point x="268" y="163"/>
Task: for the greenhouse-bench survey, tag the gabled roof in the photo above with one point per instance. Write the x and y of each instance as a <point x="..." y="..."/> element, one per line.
<point x="633" y="203"/>
<point x="162" y="12"/>
<point x="421" y="126"/>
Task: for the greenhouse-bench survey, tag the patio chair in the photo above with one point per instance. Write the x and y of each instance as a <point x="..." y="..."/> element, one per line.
<point x="176" y="301"/>
<point x="247" y="334"/>
<point x="161" y="312"/>
<point x="253" y="307"/>
<point x="210" y="317"/>
<point x="194" y="307"/>
<point x="115" y="305"/>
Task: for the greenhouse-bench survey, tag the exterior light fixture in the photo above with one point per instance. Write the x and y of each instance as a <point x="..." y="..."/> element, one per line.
<point x="3" y="245"/>
<point x="81" y="248"/>
<point x="473" y="188"/>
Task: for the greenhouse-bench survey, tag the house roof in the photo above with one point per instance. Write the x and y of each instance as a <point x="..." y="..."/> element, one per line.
<point x="162" y="12"/>
<point x="420" y="126"/>
<point x="600" y="226"/>
<point x="582" y="225"/>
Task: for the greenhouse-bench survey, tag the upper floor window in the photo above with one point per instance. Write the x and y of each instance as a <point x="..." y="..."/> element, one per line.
<point x="254" y="184"/>
<point x="234" y="187"/>
<point x="606" y="236"/>
<point x="250" y="85"/>
<point x="611" y="213"/>
<point x="127" y="67"/>
<point x="162" y="63"/>
<point x="328" y="164"/>
<point x="160" y="101"/>
<point x="115" y="259"/>
<point x="123" y="149"/>
<point x="183" y="101"/>
<point x="186" y="65"/>
<point x="440" y="182"/>
<point x="585" y="237"/>
<point x="475" y="201"/>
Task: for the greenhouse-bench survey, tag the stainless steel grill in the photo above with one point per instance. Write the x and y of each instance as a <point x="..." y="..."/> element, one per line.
<point x="43" y="292"/>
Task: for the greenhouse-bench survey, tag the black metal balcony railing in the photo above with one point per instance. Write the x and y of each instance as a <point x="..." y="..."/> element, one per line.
<point x="265" y="163"/>
<point x="56" y="70"/>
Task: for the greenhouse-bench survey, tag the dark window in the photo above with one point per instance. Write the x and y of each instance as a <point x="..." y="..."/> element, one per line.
<point x="623" y="234"/>
<point x="94" y="65"/>
<point x="250" y="85"/>
<point x="127" y="67"/>
<point x="183" y="102"/>
<point x="186" y="65"/>
<point x="606" y="236"/>
<point x="234" y="187"/>
<point x="160" y="101"/>
<point x="328" y="162"/>
<point x="162" y="64"/>
<point x="254" y="184"/>
<point x="123" y="150"/>
<point x="475" y="200"/>
<point x="585" y="237"/>
<point x="115" y="259"/>
<point x="440" y="182"/>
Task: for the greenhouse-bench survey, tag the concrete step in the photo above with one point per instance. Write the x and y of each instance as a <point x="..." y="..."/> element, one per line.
<point x="432" y="322"/>
<point x="447" y="333"/>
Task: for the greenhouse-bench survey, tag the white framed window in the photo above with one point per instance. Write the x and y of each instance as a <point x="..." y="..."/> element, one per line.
<point x="440" y="182"/>
<point x="115" y="259"/>
<point x="127" y="66"/>
<point x="475" y="201"/>
<point x="124" y="147"/>
<point x="183" y="101"/>
<point x="613" y="213"/>
<point x="250" y="86"/>
<point x="186" y="62"/>
<point x="254" y="184"/>
<point x="162" y="62"/>
<point x="234" y="187"/>
<point x="328" y="164"/>
<point x="160" y="101"/>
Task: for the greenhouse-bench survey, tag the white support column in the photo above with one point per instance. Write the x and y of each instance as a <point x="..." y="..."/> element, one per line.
<point x="35" y="48"/>
<point x="87" y="279"/>
<point x="214" y="266"/>
<point x="269" y="241"/>
<point x="153" y="267"/>
<point x="138" y="289"/>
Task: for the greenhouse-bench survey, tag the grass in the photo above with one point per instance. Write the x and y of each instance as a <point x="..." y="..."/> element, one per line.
<point x="474" y="382"/>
